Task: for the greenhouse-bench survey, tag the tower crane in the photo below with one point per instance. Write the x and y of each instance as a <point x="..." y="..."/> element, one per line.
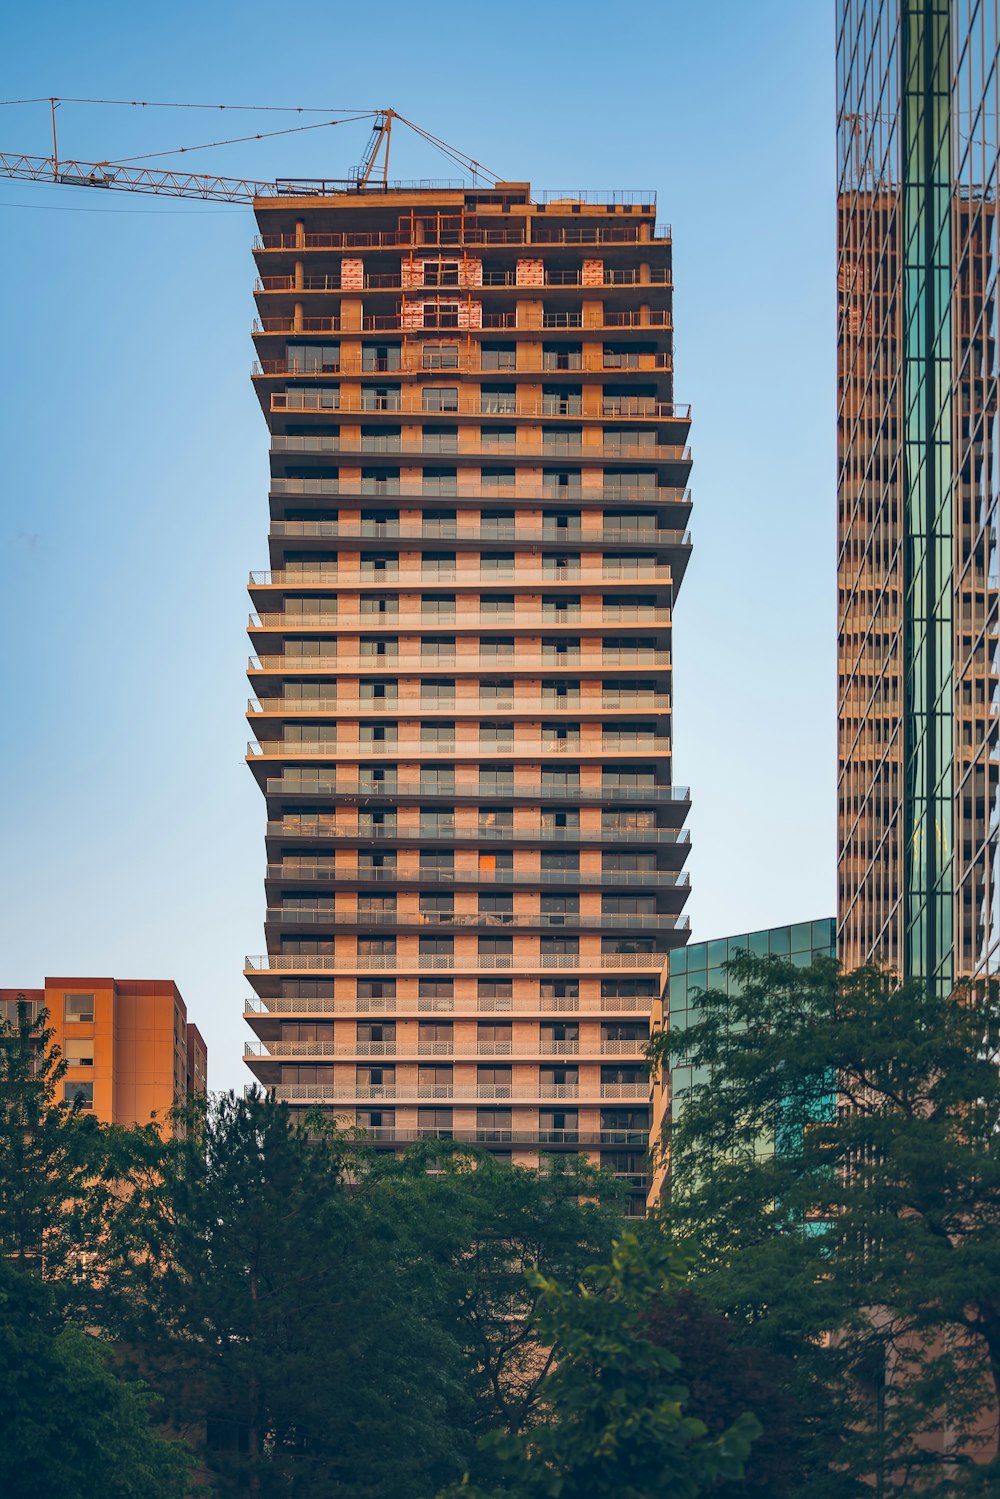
<point x="371" y="175"/>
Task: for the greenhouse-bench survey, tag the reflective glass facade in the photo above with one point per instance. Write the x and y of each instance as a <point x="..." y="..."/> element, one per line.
<point x="918" y="486"/>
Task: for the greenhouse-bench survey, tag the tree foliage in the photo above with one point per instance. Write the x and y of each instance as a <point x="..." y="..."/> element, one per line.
<point x="837" y="1162"/>
<point x="69" y="1424"/>
<point x="60" y="1168"/>
<point x="279" y="1319"/>
<point x="613" y="1422"/>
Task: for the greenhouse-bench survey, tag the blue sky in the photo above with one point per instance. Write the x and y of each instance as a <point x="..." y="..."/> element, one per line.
<point x="136" y="457"/>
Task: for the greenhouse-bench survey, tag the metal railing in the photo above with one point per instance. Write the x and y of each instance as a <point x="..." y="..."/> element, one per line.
<point x="469" y="235"/>
<point x="417" y="874"/>
<point x="311" y="1004"/>
<point x="641" y="408"/>
<point x="446" y="962"/>
<point x="343" y="707"/>
<point x="492" y="790"/>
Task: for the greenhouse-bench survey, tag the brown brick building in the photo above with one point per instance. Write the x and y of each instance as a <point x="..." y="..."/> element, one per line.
<point x="462" y="663"/>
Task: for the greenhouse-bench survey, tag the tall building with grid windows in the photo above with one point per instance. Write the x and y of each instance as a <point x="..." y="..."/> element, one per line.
<point x="462" y="664"/>
<point x="919" y="482"/>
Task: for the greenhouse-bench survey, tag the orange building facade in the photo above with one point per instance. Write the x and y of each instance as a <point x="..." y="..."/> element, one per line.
<point x="462" y="666"/>
<point x="131" y="1052"/>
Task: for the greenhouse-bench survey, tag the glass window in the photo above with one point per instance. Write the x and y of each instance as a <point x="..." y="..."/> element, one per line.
<point x="79" y="1095"/>
<point x="79" y="1008"/>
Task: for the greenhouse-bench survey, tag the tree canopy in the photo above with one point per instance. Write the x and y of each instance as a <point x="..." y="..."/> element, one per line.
<point x="836" y="1162"/>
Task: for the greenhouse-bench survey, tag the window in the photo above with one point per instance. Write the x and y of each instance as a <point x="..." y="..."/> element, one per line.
<point x="434" y="1124"/>
<point x="498" y="400"/>
<point x="441" y="273"/>
<point x="499" y="356"/>
<point x="438" y="647"/>
<point x="436" y="907"/>
<point x="497" y="909"/>
<point x="440" y="398"/>
<point x="496" y="994"/>
<point x="79" y="1008"/>
<point x="436" y="994"/>
<point x="497" y="603"/>
<point x="493" y="1124"/>
<point x="379" y="690"/>
<point x="436" y="859"/>
<point x="373" y="1032"/>
<point x="375" y="563"/>
<point x="380" y="358"/>
<point x="434" y="606"/>
<point x="437" y="690"/>
<point x="440" y="357"/>
<point x="79" y="1095"/>
<point x="379" y="603"/>
<point x="379" y="398"/>
<point x="493" y="1082"/>
<point x="440" y="439"/>
<point x="562" y="357"/>
<point x="313" y="358"/>
<point x="437" y="778"/>
<point x="436" y="735"/>
<point x="382" y="989"/>
<point x="79" y="1051"/>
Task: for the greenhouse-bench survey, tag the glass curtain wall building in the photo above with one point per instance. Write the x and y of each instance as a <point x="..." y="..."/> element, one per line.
<point x="701" y="966"/>
<point x="918" y="485"/>
<point x="462" y="664"/>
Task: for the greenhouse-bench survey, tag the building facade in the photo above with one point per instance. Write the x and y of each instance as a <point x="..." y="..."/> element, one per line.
<point x="919" y="479"/>
<point x="701" y="966"/>
<point x="462" y="663"/>
<point x="131" y="1052"/>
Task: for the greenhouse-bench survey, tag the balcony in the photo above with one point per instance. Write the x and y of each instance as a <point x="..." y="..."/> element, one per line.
<point x="479" y="921"/>
<point x="482" y="664"/>
<point x="416" y="621"/>
<point x="334" y="401"/>
<point x="481" y="1004"/>
<point x="446" y="963"/>
<point x="407" y="832"/>
<point x="645" y="879"/>
<point x="350" y="787"/>
<point x="520" y="706"/>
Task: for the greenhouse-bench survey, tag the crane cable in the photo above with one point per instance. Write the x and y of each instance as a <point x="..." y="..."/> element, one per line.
<point x="236" y="140"/>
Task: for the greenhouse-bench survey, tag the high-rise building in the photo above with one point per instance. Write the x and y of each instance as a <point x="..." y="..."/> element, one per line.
<point x="919" y="478"/>
<point x="131" y="1052"/>
<point x="462" y="674"/>
<point x="701" y="966"/>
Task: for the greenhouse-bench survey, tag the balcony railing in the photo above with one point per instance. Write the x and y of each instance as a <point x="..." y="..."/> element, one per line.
<point x="522" y="614"/>
<point x="659" y="921"/>
<point x="493" y="1004"/>
<point x="347" y="708"/>
<point x="406" y="749"/>
<point x="651" y="879"/>
<point x="447" y="962"/>
<point x="491" y="790"/>
<point x="640" y="407"/>
<point x="465" y="665"/>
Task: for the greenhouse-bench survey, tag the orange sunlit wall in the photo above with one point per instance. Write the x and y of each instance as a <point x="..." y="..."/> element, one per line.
<point x="130" y="1051"/>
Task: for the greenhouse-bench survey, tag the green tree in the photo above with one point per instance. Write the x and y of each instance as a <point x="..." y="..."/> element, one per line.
<point x="61" y="1170"/>
<point x="838" y="1163"/>
<point x="726" y="1375"/>
<point x="281" y="1320"/>
<point x="478" y="1225"/>
<point x="614" y="1424"/>
<point x="69" y="1425"/>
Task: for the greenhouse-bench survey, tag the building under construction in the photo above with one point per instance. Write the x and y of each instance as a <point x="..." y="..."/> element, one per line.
<point x="462" y="669"/>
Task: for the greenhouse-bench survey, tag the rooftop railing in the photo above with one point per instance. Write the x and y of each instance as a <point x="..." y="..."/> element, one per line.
<point x="542" y="233"/>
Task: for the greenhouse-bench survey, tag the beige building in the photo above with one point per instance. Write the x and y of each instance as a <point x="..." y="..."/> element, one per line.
<point x="461" y="667"/>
